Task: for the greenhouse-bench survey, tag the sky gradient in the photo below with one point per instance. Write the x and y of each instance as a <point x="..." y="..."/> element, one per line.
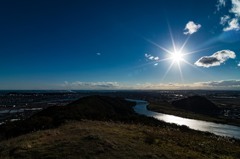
<point x="120" y="44"/>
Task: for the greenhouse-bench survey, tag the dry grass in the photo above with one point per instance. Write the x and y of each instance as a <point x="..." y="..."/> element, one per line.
<point x="95" y="139"/>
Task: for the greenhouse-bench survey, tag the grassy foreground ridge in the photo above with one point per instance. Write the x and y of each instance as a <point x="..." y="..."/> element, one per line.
<point x="104" y="127"/>
<point x="98" y="139"/>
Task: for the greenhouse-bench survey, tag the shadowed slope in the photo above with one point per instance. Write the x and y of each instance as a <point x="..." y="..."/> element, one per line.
<point x="92" y="107"/>
<point x="197" y="104"/>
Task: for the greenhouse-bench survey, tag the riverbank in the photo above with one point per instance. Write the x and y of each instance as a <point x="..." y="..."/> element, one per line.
<point x="167" y="108"/>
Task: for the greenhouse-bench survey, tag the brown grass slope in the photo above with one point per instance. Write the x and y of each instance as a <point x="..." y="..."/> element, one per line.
<point x="98" y="139"/>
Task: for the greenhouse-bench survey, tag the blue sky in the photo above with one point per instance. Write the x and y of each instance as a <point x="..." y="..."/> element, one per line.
<point x="120" y="44"/>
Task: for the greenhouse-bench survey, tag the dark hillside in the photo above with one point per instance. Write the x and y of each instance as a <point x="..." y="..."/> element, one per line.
<point x="197" y="104"/>
<point x="92" y="108"/>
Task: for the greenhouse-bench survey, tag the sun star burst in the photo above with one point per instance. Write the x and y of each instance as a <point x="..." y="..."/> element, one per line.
<point x="177" y="56"/>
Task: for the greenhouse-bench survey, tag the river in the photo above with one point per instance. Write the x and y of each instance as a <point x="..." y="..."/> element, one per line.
<point x="215" y="128"/>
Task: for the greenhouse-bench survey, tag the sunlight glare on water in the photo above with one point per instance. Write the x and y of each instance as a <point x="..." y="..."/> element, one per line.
<point x="218" y="129"/>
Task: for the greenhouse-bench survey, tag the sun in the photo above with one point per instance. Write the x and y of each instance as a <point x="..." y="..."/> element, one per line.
<point x="177" y="56"/>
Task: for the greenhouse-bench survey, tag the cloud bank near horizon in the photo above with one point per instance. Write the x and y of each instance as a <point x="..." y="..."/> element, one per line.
<point x="91" y="85"/>
<point x="226" y="83"/>
<point x="232" y="84"/>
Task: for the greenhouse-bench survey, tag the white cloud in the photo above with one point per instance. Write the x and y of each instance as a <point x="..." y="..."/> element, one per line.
<point x="150" y="57"/>
<point x="191" y="28"/>
<point x="239" y="64"/>
<point x="147" y="55"/>
<point x="98" y="53"/>
<point x="220" y="4"/>
<point x="216" y="59"/>
<point x="224" y="19"/>
<point x="230" y="22"/>
<point x="235" y="8"/>
<point x="233" y="24"/>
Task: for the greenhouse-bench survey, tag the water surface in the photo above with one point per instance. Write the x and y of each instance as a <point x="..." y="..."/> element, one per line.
<point x="218" y="129"/>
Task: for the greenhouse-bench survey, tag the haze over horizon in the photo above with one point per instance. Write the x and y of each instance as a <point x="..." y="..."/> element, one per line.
<point x="120" y="44"/>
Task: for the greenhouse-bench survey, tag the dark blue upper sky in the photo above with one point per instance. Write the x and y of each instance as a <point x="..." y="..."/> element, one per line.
<point x="114" y="44"/>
